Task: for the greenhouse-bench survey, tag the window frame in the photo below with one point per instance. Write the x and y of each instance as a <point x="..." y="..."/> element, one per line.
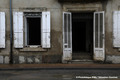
<point x="26" y="34"/>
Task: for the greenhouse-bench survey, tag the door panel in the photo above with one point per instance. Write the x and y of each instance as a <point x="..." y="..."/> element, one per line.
<point x="67" y="36"/>
<point x="99" y="53"/>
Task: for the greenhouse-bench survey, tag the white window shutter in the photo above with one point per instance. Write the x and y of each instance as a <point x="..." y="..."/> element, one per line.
<point x="45" y="29"/>
<point x="18" y="29"/>
<point x="116" y="29"/>
<point x="2" y="29"/>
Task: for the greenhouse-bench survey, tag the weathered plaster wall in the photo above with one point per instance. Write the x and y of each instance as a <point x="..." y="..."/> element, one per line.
<point x="22" y="56"/>
<point x="4" y="53"/>
<point x="112" y="54"/>
<point x="56" y="10"/>
<point x="56" y="30"/>
<point x="112" y="5"/>
<point x="109" y="6"/>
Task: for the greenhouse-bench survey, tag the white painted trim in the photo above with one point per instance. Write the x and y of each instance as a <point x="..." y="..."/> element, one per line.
<point x="67" y="52"/>
<point x="2" y="30"/>
<point x="46" y="29"/>
<point x="18" y="29"/>
<point x="99" y="53"/>
<point x="116" y="29"/>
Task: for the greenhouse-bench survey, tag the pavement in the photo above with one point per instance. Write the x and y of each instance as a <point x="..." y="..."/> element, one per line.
<point x="60" y="74"/>
<point x="58" y="66"/>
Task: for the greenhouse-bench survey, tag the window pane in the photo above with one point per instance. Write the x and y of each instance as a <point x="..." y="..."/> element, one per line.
<point x="96" y="30"/>
<point x="65" y="28"/>
<point x="69" y="31"/>
<point x="101" y="30"/>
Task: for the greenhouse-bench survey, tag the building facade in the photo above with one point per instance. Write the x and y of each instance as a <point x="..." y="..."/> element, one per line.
<point x="60" y="31"/>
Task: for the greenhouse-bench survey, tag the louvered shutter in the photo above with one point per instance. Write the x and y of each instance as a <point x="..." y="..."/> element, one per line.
<point x="45" y="29"/>
<point x="116" y="29"/>
<point x="2" y="29"/>
<point x="18" y="29"/>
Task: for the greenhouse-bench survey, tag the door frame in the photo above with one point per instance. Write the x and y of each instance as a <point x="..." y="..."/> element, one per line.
<point x="69" y="8"/>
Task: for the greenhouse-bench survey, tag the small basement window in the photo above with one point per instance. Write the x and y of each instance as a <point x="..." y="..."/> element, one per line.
<point x="33" y="29"/>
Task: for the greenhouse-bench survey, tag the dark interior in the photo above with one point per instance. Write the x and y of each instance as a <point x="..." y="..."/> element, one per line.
<point x="82" y="33"/>
<point x="34" y="31"/>
<point x="79" y="38"/>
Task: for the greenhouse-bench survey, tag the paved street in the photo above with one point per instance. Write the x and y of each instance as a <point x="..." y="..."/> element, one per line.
<point x="60" y="74"/>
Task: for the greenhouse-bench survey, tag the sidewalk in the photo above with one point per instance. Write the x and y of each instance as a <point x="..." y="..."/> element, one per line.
<point x="58" y="66"/>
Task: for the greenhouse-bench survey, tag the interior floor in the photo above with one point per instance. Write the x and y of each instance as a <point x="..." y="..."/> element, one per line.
<point x="82" y="35"/>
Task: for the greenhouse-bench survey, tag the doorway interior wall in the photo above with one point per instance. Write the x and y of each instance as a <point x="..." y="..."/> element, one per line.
<point x="82" y="35"/>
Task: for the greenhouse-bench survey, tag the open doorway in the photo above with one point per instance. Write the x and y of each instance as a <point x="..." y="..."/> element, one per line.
<point x="82" y="35"/>
<point x="82" y="38"/>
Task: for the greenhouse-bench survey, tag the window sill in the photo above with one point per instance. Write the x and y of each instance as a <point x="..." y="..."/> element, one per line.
<point x="33" y="49"/>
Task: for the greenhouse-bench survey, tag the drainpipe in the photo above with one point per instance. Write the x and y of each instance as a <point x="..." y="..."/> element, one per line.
<point x="11" y="33"/>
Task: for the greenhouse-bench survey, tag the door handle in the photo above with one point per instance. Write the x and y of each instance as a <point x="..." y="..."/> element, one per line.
<point x="103" y="36"/>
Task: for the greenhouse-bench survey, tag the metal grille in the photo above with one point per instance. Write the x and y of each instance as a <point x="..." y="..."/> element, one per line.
<point x="33" y="14"/>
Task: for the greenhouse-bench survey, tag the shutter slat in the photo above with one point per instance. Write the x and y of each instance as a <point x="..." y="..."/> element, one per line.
<point x="46" y="40"/>
<point x="2" y="29"/>
<point x="46" y="29"/>
<point x="116" y="29"/>
<point x="48" y="22"/>
<point x="18" y="39"/>
<point x="18" y="29"/>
